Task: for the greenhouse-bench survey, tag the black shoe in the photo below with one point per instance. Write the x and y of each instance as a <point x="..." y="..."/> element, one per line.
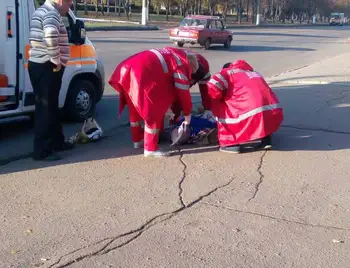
<point x="231" y="149"/>
<point x="48" y="157"/>
<point x="265" y="143"/>
<point x="66" y="146"/>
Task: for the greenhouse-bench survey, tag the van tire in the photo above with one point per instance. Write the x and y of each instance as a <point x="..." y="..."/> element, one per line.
<point x="80" y="101"/>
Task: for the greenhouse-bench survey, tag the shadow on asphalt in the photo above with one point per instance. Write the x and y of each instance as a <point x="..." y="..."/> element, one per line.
<point x="281" y="34"/>
<point x="315" y="118"/>
<point x="235" y="48"/>
<point x="164" y="41"/>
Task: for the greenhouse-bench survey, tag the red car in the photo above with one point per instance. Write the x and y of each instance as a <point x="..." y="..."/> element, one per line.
<point x="202" y="30"/>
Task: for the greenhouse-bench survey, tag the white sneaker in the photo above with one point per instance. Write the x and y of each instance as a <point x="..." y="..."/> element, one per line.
<point x="157" y="153"/>
<point x="138" y="145"/>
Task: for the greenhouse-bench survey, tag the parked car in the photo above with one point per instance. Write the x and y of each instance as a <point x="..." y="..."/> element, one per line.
<point x="202" y="30"/>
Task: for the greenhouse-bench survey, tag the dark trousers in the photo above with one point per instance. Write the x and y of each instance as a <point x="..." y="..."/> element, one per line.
<point x="48" y="133"/>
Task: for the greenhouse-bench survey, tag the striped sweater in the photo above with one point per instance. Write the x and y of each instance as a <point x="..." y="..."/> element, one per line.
<point x="48" y="36"/>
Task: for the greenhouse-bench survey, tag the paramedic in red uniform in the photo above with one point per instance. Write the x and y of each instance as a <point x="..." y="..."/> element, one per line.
<point x="148" y="82"/>
<point x="201" y="77"/>
<point x="245" y="107"/>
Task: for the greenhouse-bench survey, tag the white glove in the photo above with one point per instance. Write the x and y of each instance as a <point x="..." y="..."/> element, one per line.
<point x="187" y="119"/>
<point x="170" y="114"/>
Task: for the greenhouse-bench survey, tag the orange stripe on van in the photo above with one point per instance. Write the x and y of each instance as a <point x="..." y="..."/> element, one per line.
<point x="83" y="51"/>
<point x="27" y="51"/>
<point x="76" y="52"/>
<point x="83" y="62"/>
<point x="72" y="63"/>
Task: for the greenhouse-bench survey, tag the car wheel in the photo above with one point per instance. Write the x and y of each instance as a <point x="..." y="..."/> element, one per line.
<point x="180" y="44"/>
<point x="227" y="43"/>
<point x="207" y="44"/>
<point x="80" y="101"/>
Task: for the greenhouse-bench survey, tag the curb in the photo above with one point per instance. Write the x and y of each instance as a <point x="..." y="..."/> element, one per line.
<point x="122" y="28"/>
<point x="278" y="26"/>
<point x="306" y="82"/>
<point x="238" y="26"/>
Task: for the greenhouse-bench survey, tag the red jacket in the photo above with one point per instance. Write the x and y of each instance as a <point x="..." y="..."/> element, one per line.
<point x="244" y="104"/>
<point x="206" y="101"/>
<point x="153" y="79"/>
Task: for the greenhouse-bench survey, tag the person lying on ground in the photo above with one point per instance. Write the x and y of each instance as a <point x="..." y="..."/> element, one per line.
<point x="148" y="82"/>
<point x="245" y="107"/>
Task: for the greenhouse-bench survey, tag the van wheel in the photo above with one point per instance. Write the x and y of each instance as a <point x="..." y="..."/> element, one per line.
<point x="207" y="44"/>
<point x="227" y="43"/>
<point x="180" y="44"/>
<point x="81" y="101"/>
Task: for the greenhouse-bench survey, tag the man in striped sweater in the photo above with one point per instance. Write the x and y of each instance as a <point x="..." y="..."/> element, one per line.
<point x="49" y="53"/>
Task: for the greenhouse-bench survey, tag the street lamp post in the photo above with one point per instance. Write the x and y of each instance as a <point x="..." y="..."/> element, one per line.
<point x="144" y="12"/>
<point x="257" y="12"/>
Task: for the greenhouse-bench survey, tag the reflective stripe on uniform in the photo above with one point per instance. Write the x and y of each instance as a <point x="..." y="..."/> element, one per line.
<point x="151" y="130"/>
<point x="216" y="83"/>
<point x="178" y="61"/>
<point x="223" y="80"/>
<point x="248" y="114"/>
<point x="135" y="124"/>
<point x="205" y="79"/>
<point x="207" y="76"/>
<point x="161" y="59"/>
<point x="180" y="76"/>
<point x="234" y="71"/>
<point x="182" y="86"/>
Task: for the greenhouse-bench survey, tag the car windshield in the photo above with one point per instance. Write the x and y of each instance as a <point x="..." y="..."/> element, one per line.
<point x="193" y="23"/>
<point x="335" y="17"/>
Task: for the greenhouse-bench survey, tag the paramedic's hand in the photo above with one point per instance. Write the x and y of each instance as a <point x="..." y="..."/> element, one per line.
<point x="187" y="119"/>
<point x="58" y="68"/>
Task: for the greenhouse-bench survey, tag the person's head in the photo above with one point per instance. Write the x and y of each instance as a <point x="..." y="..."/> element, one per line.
<point x="226" y="65"/>
<point x="192" y="59"/>
<point x="63" y="5"/>
<point x="239" y="64"/>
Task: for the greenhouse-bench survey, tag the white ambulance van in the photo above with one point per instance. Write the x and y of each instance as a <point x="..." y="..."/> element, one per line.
<point x="83" y="80"/>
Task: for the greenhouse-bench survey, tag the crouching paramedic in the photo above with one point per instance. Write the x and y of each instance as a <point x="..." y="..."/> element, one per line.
<point x="148" y="82"/>
<point x="245" y="107"/>
<point x="201" y="76"/>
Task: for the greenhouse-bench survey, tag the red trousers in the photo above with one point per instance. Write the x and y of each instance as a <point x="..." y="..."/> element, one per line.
<point x="150" y="134"/>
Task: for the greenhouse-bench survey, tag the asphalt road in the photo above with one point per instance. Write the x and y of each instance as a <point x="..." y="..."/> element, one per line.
<point x="270" y="51"/>
<point x="104" y="205"/>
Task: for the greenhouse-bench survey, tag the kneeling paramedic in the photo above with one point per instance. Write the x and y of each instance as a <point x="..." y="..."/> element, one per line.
<point x="245" y="107"/>
<point x="148" y="83"/>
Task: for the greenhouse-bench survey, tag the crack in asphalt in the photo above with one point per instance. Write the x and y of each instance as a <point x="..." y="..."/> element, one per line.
<point x="182" y="179"/>
<point x="257" y="186"/>
<point x="276" y="218"/>
<point x="136" y="232"/>
<point x="316" y="129"/>
<point x="328" y="102"/>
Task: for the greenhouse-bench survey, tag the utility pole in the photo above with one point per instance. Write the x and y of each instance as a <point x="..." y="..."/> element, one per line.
<point x="257" y="12"/>
<point x="144" y="12"/>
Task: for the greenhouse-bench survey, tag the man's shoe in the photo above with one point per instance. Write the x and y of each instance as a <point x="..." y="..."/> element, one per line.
<point x="157" y="153"/>
<point x="66" y="146"/>
<point x="230" y="149"/>
<point x="49" y="157"/>
<point x="265" y="143"/>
